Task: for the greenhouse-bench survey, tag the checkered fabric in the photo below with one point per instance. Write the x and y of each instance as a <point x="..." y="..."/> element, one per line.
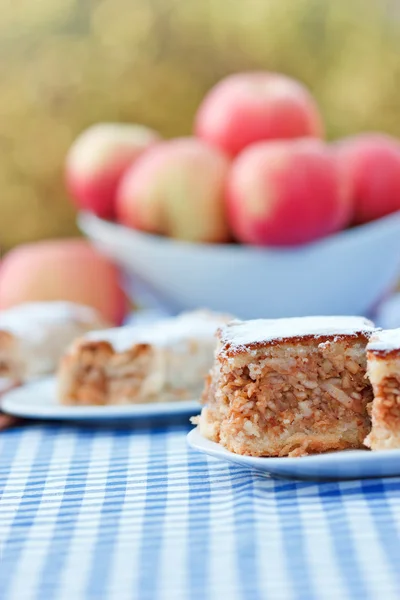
<point x="134" y="514"/>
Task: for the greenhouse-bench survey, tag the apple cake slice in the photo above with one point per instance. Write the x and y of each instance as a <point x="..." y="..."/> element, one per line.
<point x="289" y="387"/>
<point x="34" y="335"/>
<point x="383" y="358"/>
<point x="165" y="361"/>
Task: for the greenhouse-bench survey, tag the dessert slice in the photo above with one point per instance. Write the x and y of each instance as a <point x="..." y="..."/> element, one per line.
<point x="33" y="336"/>
<point x="167" y="360"/>
<point x="383" y="354"/>
<point x="289" y="387"/>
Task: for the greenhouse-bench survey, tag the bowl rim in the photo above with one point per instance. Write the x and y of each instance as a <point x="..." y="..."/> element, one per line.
<point x="86" y="220"/>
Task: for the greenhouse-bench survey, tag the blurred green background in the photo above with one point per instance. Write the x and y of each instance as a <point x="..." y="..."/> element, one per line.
<point x="65" y="64"/>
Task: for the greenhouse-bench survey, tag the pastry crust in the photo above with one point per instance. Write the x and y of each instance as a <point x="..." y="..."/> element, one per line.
<point x="383" y="355"/>
<point x="166" y="361"/>
<point x="33" y="336"/>
<point x="289" y="387"/>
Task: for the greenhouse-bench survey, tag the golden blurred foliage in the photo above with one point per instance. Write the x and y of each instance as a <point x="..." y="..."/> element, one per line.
<point x="65" y="64"/>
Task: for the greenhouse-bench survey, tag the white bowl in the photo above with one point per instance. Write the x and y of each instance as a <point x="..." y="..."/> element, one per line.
<point x="347" y="273"/>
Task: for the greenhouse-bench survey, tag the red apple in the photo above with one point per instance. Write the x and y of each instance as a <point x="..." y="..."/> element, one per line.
<point x="176" y="189"/>
<point x="370" y="164"/>
<point x="285" y="193"/>
<point x="250" y="107"/>
<point x="62" y="270"/>
<point x="98" y="158"/>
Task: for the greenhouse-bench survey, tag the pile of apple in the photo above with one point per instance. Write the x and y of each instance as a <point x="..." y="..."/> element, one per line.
<point x="256" y="171"/>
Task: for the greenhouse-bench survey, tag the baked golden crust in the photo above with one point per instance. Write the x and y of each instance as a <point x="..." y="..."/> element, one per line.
<point x="289" y="397"/>
<point x="384" y="354"/>
<point x="303" y="339"/>
<point x="238" y="337"/>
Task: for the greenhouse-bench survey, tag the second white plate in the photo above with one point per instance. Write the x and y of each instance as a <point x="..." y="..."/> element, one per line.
<point x="349" y="464"/>
<point x="38" y="400"/>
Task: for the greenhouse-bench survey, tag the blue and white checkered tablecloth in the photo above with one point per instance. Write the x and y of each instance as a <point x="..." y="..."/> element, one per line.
<point x="133" y="514"/>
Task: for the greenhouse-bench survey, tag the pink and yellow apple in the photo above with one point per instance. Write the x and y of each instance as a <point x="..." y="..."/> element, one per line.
<point x="370" y="164"/>
<point x="176" y="188"/>
<point x="98" y="158"/>
<point x="250" y="107"/>
<point x="62" y="270"/>
<point x="286" y="193"/>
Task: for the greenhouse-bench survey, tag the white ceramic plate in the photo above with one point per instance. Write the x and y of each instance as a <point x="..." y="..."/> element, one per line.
<point x="351" y="464"/>
<point x="38" y="400"/>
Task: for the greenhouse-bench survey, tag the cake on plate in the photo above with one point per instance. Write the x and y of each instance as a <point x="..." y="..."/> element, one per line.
<point x="34" y="335"/>
<point x="167" y="360"/>
<point x="289" y="387"/>
<point x="383" y="357"/>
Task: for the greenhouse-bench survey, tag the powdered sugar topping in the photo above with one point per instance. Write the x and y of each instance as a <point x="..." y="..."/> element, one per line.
<point x="33" y="319"/>
<point x="386" y="340"/>
<point x="198" y="325"/>
<point x="239" y="334"/>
